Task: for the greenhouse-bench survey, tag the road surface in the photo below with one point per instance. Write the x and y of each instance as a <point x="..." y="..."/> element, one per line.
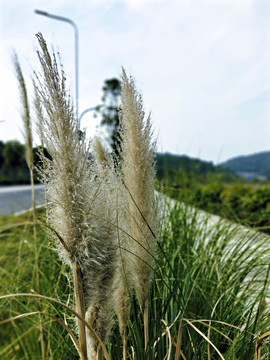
<point x="14" y="199"/>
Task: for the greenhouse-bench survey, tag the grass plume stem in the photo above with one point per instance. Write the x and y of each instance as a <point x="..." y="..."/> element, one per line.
<point x="29" y="159"/>
<point x="80" y="307"/>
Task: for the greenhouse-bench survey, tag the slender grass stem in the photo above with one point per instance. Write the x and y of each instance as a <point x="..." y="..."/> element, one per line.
<point x="146" y="324"/>
<point x="99" y="353"/>
<point x="124" y="339"/>
<point x="80" y="307"/>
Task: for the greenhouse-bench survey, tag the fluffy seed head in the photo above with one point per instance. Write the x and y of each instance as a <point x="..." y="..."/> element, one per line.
<point x="81" y="192"/>
<point x="138" y="153"/>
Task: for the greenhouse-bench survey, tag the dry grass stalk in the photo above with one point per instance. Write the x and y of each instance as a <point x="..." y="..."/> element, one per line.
<point x="122" y="299"/>
<point x="27" y="133"/>
<point x="138" y="153"/>
<point x="80" y="306"/>
<point x="27" y="126"/>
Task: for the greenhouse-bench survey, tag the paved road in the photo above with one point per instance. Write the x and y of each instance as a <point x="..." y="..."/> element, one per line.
<point x="18" y="198"/>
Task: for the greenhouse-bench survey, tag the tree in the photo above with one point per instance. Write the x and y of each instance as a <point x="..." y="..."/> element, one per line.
<point x="109" y="112"/>
<point x="14" y="154"/>
<point x="15" y="168"/>
<point x="2" y="146"/>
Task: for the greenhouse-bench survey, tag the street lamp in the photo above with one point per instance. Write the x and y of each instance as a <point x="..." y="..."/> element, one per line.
<point x="86" y="111"/>
<point x="76" y="33"/>
<point x="93" y="108"/>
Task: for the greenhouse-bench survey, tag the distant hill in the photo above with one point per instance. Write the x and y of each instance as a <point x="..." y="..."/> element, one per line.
<point x="258" y="163"/>
<point x="170" y="164"/>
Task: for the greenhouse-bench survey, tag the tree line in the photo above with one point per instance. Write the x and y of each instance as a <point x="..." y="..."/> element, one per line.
<point x="233" y="198"/>
<point x="13" y="166"/>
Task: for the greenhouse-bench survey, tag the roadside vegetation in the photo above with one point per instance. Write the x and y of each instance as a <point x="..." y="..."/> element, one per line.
<point x="111" y="269"/>
<point x="216" y="190"/>
<point x="208" y="297"/>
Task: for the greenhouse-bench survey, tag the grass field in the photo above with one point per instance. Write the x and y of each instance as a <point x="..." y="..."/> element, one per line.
<point x="208" y="298"/>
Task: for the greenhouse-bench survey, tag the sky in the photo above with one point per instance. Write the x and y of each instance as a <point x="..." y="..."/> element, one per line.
<point x="202" y="66"/>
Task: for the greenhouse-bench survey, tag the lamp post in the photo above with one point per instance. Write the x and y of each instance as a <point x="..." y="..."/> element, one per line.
<point x="86" y="111"/>
<point x="76" y="42"/>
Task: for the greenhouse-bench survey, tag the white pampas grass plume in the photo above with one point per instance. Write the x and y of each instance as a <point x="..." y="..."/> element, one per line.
<point x="121" y="283"/>
<point x="81" y="196"/>
<point x="100" y="154"/>
<point x="68" y="172"/>
<point x="122" y="294"/>
<point x="66" y="175"/>
<point x="138" y="154"/>
<point x="100" y="301"/>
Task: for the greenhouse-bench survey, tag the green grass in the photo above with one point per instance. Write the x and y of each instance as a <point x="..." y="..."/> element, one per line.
<point x="20" y="339"/>
<point x="215" y="276"/>
<point x="209" y="293"/>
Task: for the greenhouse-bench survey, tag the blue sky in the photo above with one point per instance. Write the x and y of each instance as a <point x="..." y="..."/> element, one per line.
<point x="203" y="67"/>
